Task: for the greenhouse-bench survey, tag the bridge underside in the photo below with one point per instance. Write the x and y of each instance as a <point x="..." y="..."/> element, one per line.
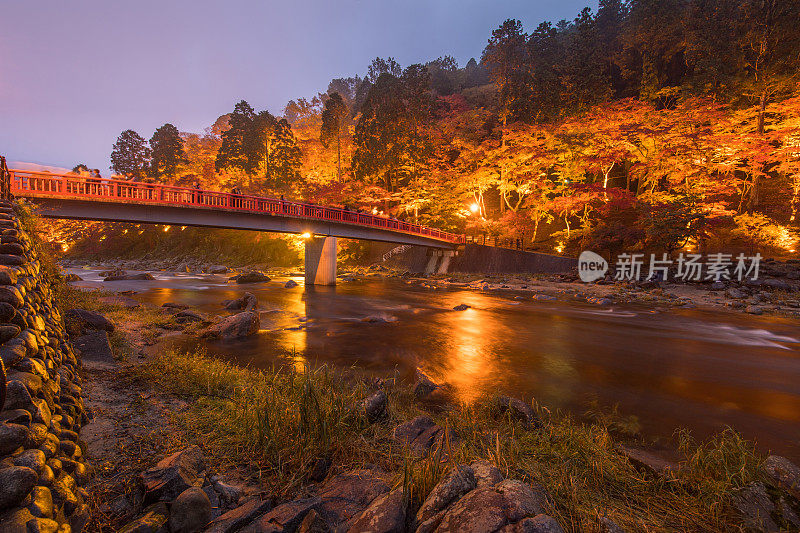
<point x="318" y="251"/>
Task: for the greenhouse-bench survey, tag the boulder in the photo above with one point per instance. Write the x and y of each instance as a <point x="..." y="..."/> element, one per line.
<point x="172" y="475"/>
<point x="236" y="326"/>
<point x="345" y="496"/>
<point x="461" y="307"/>
<point x="94" y="346"/>
<point x="246" y="302"/>
<point x="783" y="474"/>
<point x="187" y="315"/>
<point x="519" y="410"/>
<point x="646" y="461"/>
<point x="250" y="277"/>
<point x="486" y="474"/>
<point x="290" y="284"/>
<point x="424" y="384"/>
<point x="217" y="269"/>
<point x="386" y="514"/>
<point x="89" y="320"/>
<point x="285" y="517"/>
<point x="70" y="277"/>
<point x="459" y="481"/>
<point x="756" y="508"/>
<point x="540" y="523"/>
<point x="190" y="511"/>
<point x="41" y="504"/>
<point x="16" y="482"/>
<point x="375" y="406"/>
<point x="237" y="518"/>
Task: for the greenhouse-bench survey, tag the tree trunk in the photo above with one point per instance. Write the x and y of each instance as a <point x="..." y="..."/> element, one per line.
<point x="338" y="157"/>
<point x="761" y="112"/>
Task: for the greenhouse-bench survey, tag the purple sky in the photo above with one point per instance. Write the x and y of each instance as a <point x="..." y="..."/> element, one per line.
<point x="74" y="74"/>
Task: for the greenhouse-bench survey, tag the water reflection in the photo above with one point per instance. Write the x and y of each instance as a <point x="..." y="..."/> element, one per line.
<point x="695" y="369"/>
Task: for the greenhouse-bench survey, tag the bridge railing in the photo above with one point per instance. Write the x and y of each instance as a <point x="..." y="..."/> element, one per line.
<point x="45" y="184"/>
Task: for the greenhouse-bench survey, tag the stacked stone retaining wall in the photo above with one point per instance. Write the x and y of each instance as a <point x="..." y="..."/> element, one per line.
<point x="42" y="466"/>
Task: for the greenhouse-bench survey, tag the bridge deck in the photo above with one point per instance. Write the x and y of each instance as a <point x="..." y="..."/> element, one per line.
<point x="73" y="196"/>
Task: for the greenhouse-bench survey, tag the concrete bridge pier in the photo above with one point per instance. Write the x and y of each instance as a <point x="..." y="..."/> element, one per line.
<point x="438" y="261"/>
<point x="320" y="262"/>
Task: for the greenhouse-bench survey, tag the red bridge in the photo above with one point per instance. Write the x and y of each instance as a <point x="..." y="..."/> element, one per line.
<point x="77" y="197"/>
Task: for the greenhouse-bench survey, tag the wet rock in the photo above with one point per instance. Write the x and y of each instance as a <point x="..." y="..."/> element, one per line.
<point x="783" y="474"/>
<point x="375" y="407"/>
<point x="144" y="276"/>
<point x="16" y="482"/>
<point x="108" y="273"/>
<point x="94" y="346"/>
<point x="186" y="316"/>
<point x="286" y="517"/>
<point x="419" y="434"/>
<point x="239" y="325"/>
<point x="12" y="436"/>
<point x="519" y="410"/>
<point x="89" y="320"/>
<point x="290" y="284"/>
<point x="172" y="475"/>
<point x="153" y="519"/>
<point x="239" y="517"/>
<point x="459" y="481"/>
<point x="250" y="277"/>
<point x="386" y="514"/>
<point x="190" y="511"/>
<point x="424" y="384"/>
<point x="461" y="307"/>
<point x="753" y="310"/>
<point x="217" y="269"/>
<point x="646" y="461"/>
<point x="347" y="495"/>
<point x="486" y="474"/>
<point x="756" y="508"/>
<point x="246" y="302"/>
<point x="70" y="277"/>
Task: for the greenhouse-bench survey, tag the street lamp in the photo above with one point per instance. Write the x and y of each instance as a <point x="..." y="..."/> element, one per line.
<point x="474" y="207"/>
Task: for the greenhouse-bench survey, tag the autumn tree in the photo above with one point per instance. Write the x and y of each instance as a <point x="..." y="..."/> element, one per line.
<point x="130" y="155"/>
<point x="334" y="118"/>
<point x="166" y="151"/>
<point x="238" y="146"/>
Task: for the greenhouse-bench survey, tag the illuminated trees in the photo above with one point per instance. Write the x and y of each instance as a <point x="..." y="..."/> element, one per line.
<point x="333" y="125"/>
<point x="130" y="155"/>
<point x="166" y="151"/>
<point x="237" y="142"/>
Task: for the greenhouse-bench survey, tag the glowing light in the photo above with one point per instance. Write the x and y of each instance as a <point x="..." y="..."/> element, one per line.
<point x="183" y="228"/>
<point x="374" y="210"/>
<point x="124" y="231"/>
<point x="64" y="247"/>
<point x="306" y="235"/>
<point x="166" y="228"/>
<point x="474" y="208"/>
<point x="560" y="247"/>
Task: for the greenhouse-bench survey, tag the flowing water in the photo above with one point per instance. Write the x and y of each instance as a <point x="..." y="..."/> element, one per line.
<point x="687" y="368"/>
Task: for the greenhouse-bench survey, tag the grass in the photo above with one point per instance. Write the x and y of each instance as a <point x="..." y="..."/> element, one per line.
<point x="280" y="421"/>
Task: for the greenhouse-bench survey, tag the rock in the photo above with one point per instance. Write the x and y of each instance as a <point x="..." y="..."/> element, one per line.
<point x="753" y="310"/>
<point x="17" y="395"/>
<point x="172" y="475"/>
<point x="347" y="495"/>
<point x="79" y="518"/>
<point x="717" y="286"/>
<point x="144" y="276"/>
<point x="319" y="470"/>
<point x="33" y="459"/>
<point x="286" y="517"/>
<point x="186" y="315"/>
<point x="8" y="331"/>
<point x="519" y="410"/>
<point x="41" y="505"/>
<point x="173" y="305"/>
<point x="779" y="284"/>
<point x="153" y="519"/>
<point x="461" y="307"/>
<point x="16" y="521"/>
<point x="735" y="294"/>
<point x="109" y="273"/>
<point x="479" y="511"/>
<point x="250" y="277"/>
<point x="89" y="320"/>
<point x="247" y="302"/>
<point x="418" y="434"/>
<point x="239" y="517"/>
<point x="94" y="346"/>
<point x="14" y="416"/>
<point x="313" y="523"/>
<point x="375" y="407"/>
<point x="386" y="514"/>
<point x="783" y="474"/>
<point x="290" y="284"/>
<point x="424" y="385"/>
<point x="190" y="511"/>
<point x="12" y="436"/>
<point x="70" y="277"/>
<point x="540" y="523"/>
<point x="217" y="269"/>
<point x="229" y="494"/>
<point x="236" y="326"/>
<point x="459" y="481"/>
<point x="756" y="508"/>
<point x="486" y="474"/>
<point x="646" y="461"/>
<point x="522" y="499"/>
<point x="16" y="482"/>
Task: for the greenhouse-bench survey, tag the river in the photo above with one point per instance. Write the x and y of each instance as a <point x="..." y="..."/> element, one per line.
<point x="686" y="368"/>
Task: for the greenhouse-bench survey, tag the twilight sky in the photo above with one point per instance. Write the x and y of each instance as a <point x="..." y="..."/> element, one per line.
<point x="74" y="74"/>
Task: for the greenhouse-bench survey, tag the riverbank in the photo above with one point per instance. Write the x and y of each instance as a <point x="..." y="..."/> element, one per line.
<point x="269" y="431"/>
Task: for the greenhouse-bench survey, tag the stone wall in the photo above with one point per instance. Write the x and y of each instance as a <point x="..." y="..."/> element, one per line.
<point x="42" y="469"/>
